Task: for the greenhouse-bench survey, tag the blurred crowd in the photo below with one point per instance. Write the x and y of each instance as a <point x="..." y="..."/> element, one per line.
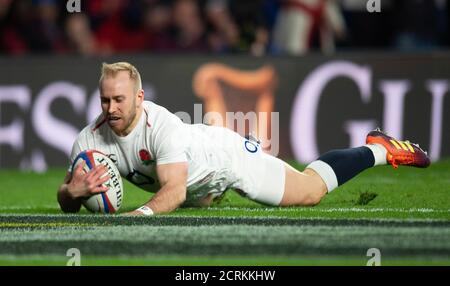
<point x="256" y="27"/>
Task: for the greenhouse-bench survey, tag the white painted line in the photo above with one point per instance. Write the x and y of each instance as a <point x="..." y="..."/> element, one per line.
<point x="320" y="210"/>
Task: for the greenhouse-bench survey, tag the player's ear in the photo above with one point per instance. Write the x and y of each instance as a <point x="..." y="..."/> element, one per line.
<point x="140" y="97"/>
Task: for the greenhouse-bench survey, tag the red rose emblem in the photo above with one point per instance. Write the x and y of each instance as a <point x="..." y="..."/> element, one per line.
<point x="145" y="156"/>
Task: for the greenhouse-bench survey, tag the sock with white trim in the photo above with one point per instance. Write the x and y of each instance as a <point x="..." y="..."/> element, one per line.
<point x="379" y="153"/>
<point x="338" y="166"/>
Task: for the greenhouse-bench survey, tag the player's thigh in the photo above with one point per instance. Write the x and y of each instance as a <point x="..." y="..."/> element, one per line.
<point x="302" y="188"/>
<point x="271" y="181"/>
<point x="263" y="178"/>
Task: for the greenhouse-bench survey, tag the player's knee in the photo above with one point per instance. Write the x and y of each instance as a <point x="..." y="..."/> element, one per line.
<point x="312" y="199"/>
<point x="302" y="198"/>
<point x="312" y="195"/>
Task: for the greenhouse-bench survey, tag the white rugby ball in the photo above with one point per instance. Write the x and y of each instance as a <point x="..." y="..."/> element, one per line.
<point x="111" y="200"/>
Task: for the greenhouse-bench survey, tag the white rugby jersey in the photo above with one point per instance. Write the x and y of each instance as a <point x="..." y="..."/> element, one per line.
<point x="161" y="137"/>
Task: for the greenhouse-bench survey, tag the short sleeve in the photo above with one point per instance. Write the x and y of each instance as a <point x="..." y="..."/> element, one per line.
<point x="171" y="150"/>
<point x="170" y="140"/>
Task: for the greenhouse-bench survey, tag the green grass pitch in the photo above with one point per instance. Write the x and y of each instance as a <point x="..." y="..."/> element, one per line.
<point x="404" y="213"/>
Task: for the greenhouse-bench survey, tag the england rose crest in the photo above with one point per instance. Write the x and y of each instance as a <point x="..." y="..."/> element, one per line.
<point x="145" y="156"/>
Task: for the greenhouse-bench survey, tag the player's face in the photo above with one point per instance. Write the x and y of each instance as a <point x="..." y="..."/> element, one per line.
<point x="120" y="103"/>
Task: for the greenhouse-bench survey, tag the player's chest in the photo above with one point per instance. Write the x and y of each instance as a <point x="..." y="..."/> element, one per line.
<point x="136" y="163"/>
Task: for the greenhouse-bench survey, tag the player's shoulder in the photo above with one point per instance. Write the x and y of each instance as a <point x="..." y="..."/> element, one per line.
<point x="152" y="107"/>
<point x="158" y="115"/>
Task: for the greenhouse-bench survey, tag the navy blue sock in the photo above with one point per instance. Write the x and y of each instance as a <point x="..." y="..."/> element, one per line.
<point x="338" y="166"/>
<point x="347" y="163"/>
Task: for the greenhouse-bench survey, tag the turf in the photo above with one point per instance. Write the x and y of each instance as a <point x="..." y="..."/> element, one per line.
<point x="405" y="213"/>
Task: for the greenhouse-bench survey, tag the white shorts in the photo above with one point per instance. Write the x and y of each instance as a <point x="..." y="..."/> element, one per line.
<point x="261" y="176"/>
<point x="232" y="161"/>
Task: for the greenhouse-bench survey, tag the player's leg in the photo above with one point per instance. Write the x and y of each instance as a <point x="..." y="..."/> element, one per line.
<point x="336" y="167"/>
<point x="302" y="188"/>
<point x="329" y="171"/>
<point x="271" y="181"/>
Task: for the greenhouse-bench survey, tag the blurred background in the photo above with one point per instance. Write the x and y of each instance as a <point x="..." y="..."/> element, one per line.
<point x="331" y="69"/>
<point x="255" y="27"/>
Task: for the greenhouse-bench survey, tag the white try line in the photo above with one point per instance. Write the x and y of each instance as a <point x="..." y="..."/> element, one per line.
<point x="275" y="209"/>
<point x="330" y="210"/>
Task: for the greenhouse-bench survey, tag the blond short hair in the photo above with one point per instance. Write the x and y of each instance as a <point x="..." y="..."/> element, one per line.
<point x="114" y="68"/>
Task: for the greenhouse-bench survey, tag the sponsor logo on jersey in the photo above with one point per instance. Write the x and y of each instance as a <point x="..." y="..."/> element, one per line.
<point x="250" y="146"/>
<point x="113" y="158"/>
<point x="141" y="180"/>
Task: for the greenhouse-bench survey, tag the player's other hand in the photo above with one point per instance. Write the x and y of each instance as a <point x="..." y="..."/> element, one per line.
<point x="87" y="184"/>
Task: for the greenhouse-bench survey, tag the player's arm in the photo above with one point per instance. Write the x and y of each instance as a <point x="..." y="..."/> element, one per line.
<point x="173" y="180"/>
<point x="79" y="185"/>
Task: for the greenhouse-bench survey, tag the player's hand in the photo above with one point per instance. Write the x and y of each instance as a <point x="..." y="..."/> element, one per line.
<point x="133" y="213"/>
<point x="87" y="184"/>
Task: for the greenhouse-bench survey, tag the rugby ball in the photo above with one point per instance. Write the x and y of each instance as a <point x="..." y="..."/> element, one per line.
<point x="111" y="200"/>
